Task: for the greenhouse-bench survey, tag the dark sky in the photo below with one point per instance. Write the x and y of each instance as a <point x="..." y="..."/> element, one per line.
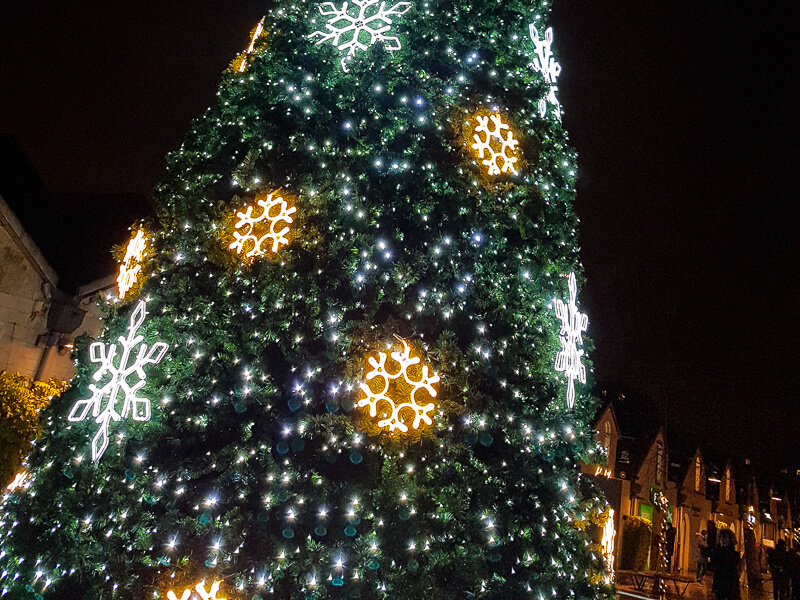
<point x="685" y="118"/>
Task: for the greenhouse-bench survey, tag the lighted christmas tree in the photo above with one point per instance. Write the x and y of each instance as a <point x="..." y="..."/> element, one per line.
<point x="345" y="359"/>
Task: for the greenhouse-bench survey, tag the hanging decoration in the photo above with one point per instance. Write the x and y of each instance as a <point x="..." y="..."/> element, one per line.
<point x="573" y="322"/>
<point x="495" y="144"/>
<point x="358" y="24"/>
<point x="271" y="225"/>
<point x="200" y="588"/>
<point x="608" y="540"/>
<point x="240" y="63"/>
<point x="19" y="481"/>
<point x="398" y="393"/>
<point x="131" y="264"/>
<point x="546" y="64"/>
<point x="117" y="386"/>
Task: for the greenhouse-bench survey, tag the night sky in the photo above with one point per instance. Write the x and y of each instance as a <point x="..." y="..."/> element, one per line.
<point x="685" y="118"/>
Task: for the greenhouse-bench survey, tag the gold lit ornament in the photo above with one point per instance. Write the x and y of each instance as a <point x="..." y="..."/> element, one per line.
<point x="132" y="264"/>
<point x="266" y="227"/>
<point x="19" y="481"/>
<point x="494" y="142"/>
<point x="609" y="537"/>
<point x="397" y="393"/>
<point x="200" y="588"/>
<point x="240" y="63"/>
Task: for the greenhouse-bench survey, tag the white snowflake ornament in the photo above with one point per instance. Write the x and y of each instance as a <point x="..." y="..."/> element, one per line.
<point x="399" y="401"/>
<point x="118" y="387"/>
<point x="498" y="150"/>
<point x="357" y="25"/>
<point x="573" y="322"/>
<point x="546" y="64"/>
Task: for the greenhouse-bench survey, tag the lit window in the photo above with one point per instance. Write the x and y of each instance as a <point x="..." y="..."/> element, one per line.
<point x="728" y="486"/>
<point x="697" y="471"/>
<point x="606" y="435"/>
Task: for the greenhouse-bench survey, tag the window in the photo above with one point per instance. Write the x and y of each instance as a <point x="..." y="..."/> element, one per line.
<point x="659" y="462"/>
<point x="728" y="485"/>
<point x="607" y="434"/>
<point x="698" y="467"/>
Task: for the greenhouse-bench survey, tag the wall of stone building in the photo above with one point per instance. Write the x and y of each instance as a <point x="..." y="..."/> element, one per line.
<point x="26" y="286"/>
<point x="22" y="300"/>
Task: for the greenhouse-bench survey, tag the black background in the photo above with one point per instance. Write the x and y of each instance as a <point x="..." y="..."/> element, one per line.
<point x="684" y="115"/>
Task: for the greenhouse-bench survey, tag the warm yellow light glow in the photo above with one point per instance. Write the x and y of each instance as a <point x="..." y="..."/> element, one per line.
<point x="603" y="472"/>
<point x="397" y="392"/>
<point x="200" y="588"/>
<point x="131" y="264"/>
<point x="494" y="142"/>
<point x="609" y="537"/>
<point x="18" y="482"/>
<point x="240" y="63"/>
<point x="275" y="210"/>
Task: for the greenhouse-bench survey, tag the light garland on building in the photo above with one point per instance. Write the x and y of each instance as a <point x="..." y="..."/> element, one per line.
<point x="117" y="384"/>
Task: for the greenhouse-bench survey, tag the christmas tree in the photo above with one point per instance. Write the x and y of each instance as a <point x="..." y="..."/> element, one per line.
<point x="345" y="359"/>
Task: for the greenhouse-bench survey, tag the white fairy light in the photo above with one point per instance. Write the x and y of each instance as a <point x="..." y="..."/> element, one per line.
<point x="573" y="322"/>
<point x="545" y="63"/>
<point x="139" y="408"/>
<point x="359" y="25"/>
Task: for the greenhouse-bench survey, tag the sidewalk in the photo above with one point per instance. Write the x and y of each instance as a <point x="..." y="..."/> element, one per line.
<point x="696" y="591"/>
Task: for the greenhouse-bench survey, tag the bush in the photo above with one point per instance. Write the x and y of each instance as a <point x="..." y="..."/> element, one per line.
<point x="635" y="550"/>
<point x="20" y="403"/>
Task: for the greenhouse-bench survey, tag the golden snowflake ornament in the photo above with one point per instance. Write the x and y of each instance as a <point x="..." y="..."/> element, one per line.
<point x="131" y="265"/>
<point x="398" y="395"/>
<point x="270" y="226"/>
<point x="494" y="143"/>
<point x="200" y="588"/>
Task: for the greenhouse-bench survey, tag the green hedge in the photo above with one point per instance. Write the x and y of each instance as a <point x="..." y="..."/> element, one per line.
<point x="636" y="533"/>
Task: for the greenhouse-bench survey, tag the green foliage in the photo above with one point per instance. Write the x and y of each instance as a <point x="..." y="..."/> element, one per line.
<point x="255" y="466"/>
<point x="20" y="403"/>
<point x="636" y="534"/>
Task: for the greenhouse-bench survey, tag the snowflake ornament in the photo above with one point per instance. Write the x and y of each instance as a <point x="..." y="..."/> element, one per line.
<point x="117" y="387"/>
<point x="573" y="322"/>
<point x="131" y="264"/>
<point x="500" y="152"/>
<point x="264" y="227"/>
<point x="398" y="391"/>
<point x="545" y="63"/>
<point x="200" y="588"/>
<point x="358" y="25"/>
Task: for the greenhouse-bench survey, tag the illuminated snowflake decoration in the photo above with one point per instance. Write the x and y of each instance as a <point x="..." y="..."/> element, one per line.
<point x="497" y="150"/>
<point x="19" y="481"/>
<point x="131" y="264"/>
<point x="573" y="323"/>
<point x="397" y="392"/>
<point x="271" y="225"/>
<point x="200" y="588"/>
<point x="117" y="385"/>
<point x="358" y="25"/>
<point x="546" y="64"/>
